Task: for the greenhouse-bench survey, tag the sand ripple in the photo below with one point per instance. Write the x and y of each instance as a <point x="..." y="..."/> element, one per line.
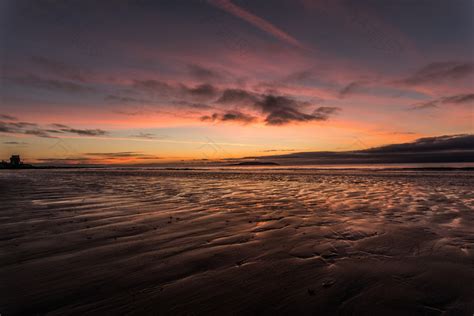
<point x="150" y="241"/>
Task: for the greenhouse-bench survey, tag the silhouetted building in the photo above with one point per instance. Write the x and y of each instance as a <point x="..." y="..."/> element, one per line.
<point x="15" y="160"/>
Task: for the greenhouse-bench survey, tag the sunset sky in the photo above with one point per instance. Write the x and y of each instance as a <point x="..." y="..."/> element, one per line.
<point x="157" y="81"/>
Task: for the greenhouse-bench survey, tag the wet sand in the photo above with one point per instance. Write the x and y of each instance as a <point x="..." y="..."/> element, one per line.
<point x="249" y="242"/>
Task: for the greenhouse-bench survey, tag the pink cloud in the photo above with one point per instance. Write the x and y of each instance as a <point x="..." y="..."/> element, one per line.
<point x="260" y="23"/>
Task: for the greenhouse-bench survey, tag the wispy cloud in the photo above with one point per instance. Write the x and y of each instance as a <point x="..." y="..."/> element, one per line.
<point x="352" y="88"/>
<point x="58" y="68"/>
<point x="82" y="132"/>
<point x="85" y="132"/>
<point x="277" y="150"/>
<point x="8" y="117"/>
<point x="120" y="155"/>
<point x="202" y="91"/>
<point x="144" y="135"/>
<point x="64" y="86"/>
<point x="95" y="158"/>
<point x="15" y="143"/>
<point x="124" y="99"/>
<point x="439" y="71"/>
<point x="258" y="22"/>
<point x="231" y="116"/>
<point x="203" y="73"/>
<point x="23" y="128"/>
<point x="156" y="88"/>
<point x="34" y="129"/>
<point x="237" y="96"/>
<point x="467" y="98"/>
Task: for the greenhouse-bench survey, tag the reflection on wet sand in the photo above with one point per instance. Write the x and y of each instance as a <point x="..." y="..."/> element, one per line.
<point x="150" y="241"/>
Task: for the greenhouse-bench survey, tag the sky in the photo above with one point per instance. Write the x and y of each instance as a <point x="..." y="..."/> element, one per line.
<point x="159" y="81"/>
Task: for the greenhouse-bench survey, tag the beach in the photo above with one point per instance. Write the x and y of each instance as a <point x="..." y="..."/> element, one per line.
<point x="150" y="241"/>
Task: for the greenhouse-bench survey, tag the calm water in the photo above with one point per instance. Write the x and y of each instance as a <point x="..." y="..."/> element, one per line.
<point x="244" y="241"/>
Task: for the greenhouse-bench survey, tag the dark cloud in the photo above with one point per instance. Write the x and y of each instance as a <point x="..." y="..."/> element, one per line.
<point x="131" y="113"/>
<point x="52" y="84"/>
<point x="96" y="157"/>
<point x="286" y="116"/>
<point x="121" y="154"/>
<point x="61" y="128"/>
<point x="425" y="105"/>
<point x="114" y="154"/>
<point x="122" y="99"/>
<point x="277" y="109"/>
<point x="299" y="76"/>
<point x="192" y="105"/>
<point x="54" y="131"/>
<point x="36" y="130"/>
<point x="281" y="110"/>
<point x="204" y="90"/>
<point x="237" y="96"/>
<point x="153" y="86"/>
<point x="16" y="127"/>
<point x="277" y="150"/>
<point x="454" y="99"/>
<point x="163" y="89"/>
<point x="440" y="71"/>
<point x="324" y="112"/>
<point x="203" y="73"/>
<point x="439" y="149"/>
<point x="59" y="125"/>
<point x="5" y="128"/>
<point x="430" y="144"/>
<point x="351" y="88"/>
<point x="146" y="105"/>
<point x="23" y="128"/>
<point x="457" y="99"/>
<point x="15" y="143"/>
<point x="61" y="161"/>
<point x="8" y="117"/>
<point x="85" y="132"/>
<point x="231" y="116"/>
<point x="22" y="124"/>
<point x="58" y="68"/>
<point x="144" y="135"/>
<point x="403" y="133"/>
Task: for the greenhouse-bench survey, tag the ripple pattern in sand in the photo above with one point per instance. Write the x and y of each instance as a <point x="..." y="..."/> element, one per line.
<point x="148" y="241"/>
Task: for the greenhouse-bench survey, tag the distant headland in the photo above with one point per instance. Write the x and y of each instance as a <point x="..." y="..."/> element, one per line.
<point x="255" y="163"/>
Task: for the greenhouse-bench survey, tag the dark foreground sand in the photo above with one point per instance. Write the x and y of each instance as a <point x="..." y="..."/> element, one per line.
<point x="188" y="242"/>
